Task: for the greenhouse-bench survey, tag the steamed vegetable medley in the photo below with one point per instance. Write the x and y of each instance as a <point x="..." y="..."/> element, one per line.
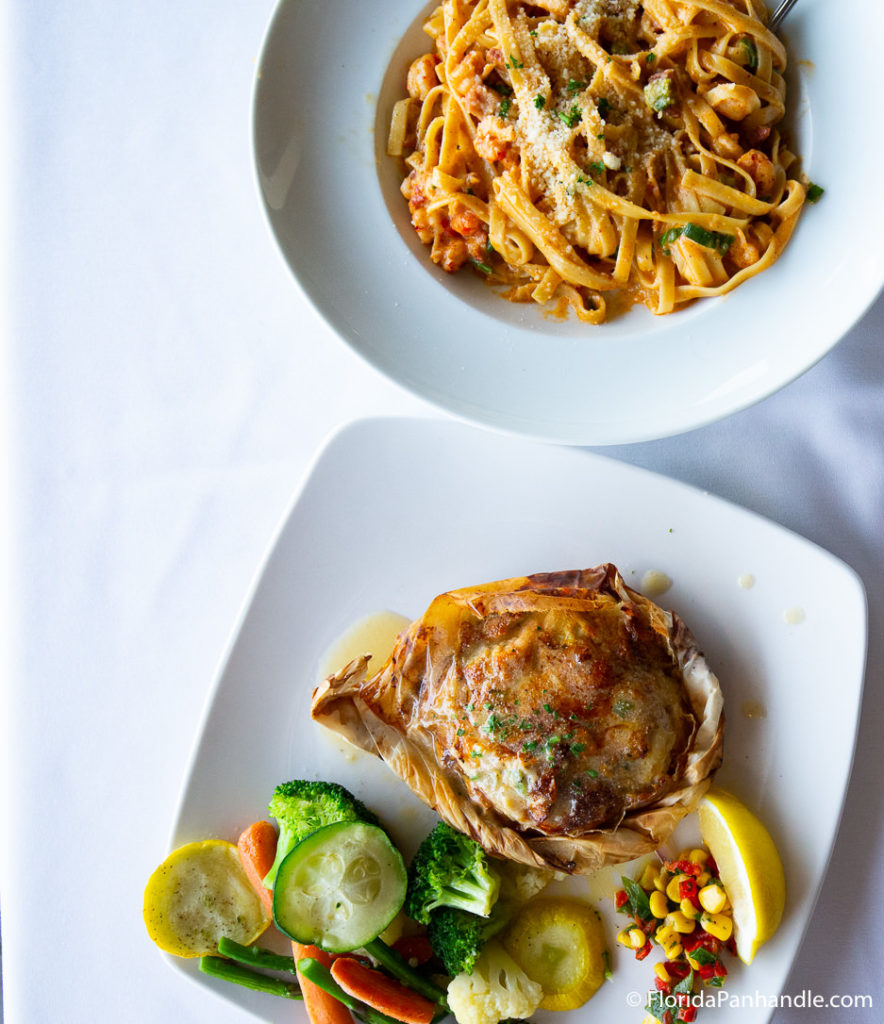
<point x="453" y="932"/>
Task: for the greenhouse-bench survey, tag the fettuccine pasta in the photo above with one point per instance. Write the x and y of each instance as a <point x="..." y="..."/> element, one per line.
<point x="571" y="149"/>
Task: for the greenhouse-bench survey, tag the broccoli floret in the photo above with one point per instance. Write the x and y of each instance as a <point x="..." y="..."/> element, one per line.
<point x="301" y="807"/>
<point x="450" y="870"/>
<point x="458" y="937"/>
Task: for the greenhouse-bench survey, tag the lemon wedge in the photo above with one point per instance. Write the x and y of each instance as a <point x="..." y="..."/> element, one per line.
<point x="198" y="895"/>
<point x="749" y="867"/>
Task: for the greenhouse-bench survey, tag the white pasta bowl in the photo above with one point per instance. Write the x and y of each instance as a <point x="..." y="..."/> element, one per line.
<point x="328" y="77"/>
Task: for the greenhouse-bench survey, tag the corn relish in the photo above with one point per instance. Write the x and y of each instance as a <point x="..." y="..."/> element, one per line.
<point x="682" y="907"/>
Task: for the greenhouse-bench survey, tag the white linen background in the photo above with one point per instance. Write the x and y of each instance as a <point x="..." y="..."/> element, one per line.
<point x="168" y="387"/>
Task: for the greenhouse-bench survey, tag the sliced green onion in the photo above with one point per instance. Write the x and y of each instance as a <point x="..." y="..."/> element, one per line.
<point x="658" y="94"/>
<point x="750" y="52"/>
<point x="695" y="233"/>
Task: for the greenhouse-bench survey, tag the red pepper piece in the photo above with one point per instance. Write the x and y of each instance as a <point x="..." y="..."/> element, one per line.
<point x="677" y="968"/>
<point x="640" y="954"/>
<point x="686" y="867"/>
<point x="706" y="971"/>
<point x="620" y="899"/>
<point x="688" y="1014"/>
<point x="720" y="969"/>
<point x="687" y="889"/>
<point x="663" y="986"/>
<point x="698" y="937"/>
<point x="414" y="947"/>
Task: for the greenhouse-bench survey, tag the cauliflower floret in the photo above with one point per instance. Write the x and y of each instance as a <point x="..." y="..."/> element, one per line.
<point x="521" y="882"/>
<point x="496" y="990"/>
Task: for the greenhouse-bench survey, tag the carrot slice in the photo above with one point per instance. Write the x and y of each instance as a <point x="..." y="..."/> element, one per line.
<point x="381" y="992"/>
<point x="321" y="1007"/>
<point x="257" y="851"/>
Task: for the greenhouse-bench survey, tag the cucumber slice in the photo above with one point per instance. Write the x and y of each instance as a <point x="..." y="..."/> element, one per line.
<point x="340" y="887"/>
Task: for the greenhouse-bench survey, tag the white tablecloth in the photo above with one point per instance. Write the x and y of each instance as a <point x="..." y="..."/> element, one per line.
<point x="168" y="385"/>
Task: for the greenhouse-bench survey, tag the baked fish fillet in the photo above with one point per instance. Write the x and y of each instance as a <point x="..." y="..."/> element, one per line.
<point x="561" y="719"/>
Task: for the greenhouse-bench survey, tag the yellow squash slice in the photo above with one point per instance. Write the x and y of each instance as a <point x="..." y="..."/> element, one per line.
<point x="560" y="944"/>
<point x="198" y="895"/>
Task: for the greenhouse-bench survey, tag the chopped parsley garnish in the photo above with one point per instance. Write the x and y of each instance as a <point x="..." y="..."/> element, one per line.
<point x="547" y="709"/>
<point x="638" y="901"/>
<point x="621" y="708"/>
<point x="602" y="105"/>
<point x="651" y="57"/>
<point x="601" y="135"/>
<point x="703" y="956"/>
<point x="592" y="773"/>
<point x="578" y="748"/>
<point x="597" y="167"/>
<point x="513" y="63"/>
<point x="485" y="270"/>
<point x="709" y="239"/>
<point x="539" y="104"/>
<point x="504" y="107"/>
<point x="686" y="985"/>
<point x="814" y="193"/>
<point x="572" y="117"/>
<point x="500" y="87"/>
<point x="476" y="753"/>
<point x="584" y="181"/>
<point x="493" y="724"/>
<point x="460" y="732"/>
<point x="575" y="86"/>
<point x="530" y="746"/>
<point x="657" y="1006"/>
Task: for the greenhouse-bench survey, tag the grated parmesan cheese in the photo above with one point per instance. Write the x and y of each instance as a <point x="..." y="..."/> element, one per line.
<point x="559" y="157"/>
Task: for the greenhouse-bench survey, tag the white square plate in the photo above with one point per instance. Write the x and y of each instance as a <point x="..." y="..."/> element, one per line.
<point x="396" y="511"/>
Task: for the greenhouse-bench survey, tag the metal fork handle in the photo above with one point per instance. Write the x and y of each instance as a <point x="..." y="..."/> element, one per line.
<point x="780" y="13"/>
